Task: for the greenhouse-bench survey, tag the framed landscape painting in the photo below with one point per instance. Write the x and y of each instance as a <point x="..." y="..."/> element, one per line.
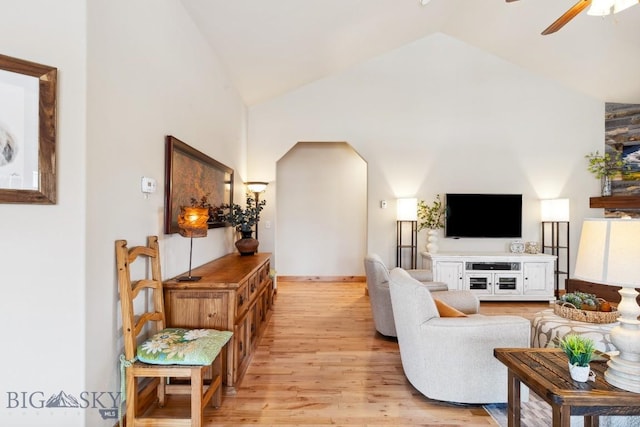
<point x="194" y="179"/>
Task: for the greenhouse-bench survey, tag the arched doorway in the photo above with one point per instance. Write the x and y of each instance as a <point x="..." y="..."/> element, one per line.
<point x="321" y="202"/>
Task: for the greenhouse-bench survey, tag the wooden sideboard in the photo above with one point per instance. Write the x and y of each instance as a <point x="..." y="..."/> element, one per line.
<point x="235" y="294"/>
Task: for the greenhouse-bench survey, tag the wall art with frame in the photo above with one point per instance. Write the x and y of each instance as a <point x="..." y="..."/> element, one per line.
<point x="193" y="178"/>
<point x="27" y="132"/>
<point x="622" y="136"/>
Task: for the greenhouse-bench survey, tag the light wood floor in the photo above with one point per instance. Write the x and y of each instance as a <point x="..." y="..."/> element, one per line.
<point x="321" y="363"/>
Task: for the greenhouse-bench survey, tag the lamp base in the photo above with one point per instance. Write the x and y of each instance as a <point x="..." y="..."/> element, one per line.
<point x="624" y="369"/>
<point x="623" y="374"/>
<point x="189" y="278"/>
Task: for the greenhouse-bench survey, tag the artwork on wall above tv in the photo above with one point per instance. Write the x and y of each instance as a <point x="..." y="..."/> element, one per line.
<point x="194" y="179"/>
<point x="622" y="135"/>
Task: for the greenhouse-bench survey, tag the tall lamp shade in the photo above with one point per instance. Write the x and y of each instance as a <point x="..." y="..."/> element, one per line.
<point x="554" y="210"/>
<point x="608" y="253"/>
<point x="407" y="209"/>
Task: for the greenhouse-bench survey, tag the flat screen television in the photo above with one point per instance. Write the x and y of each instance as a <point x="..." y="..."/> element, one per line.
<point x="483" y="215"/>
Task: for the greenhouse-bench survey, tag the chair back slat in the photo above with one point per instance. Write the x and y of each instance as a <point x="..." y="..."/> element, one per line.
<point x="139" y="285"/>
<point x="129" y="290"/>
<point x="146" y="317"/>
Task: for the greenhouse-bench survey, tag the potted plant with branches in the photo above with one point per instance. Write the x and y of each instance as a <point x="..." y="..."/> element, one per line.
<point x="244" y="219"/>
<point x="604" y="167"/>
<point x="431" y="217"/>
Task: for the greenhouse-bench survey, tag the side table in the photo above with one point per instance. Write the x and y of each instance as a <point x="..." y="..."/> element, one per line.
<point x="545" y="372"/>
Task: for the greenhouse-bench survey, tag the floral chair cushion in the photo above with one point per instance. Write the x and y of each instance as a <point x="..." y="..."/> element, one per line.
<point x="177" y="346"/>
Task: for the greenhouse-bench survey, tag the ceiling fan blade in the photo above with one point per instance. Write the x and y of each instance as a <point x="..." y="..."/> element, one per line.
<point x="568" y="16"/>
<point x="509" y="1"/>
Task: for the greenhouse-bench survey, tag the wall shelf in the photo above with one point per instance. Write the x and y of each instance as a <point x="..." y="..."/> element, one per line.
<point x="615" y="202"/>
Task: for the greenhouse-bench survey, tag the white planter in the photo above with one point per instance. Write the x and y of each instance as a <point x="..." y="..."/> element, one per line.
<point x="580" y="373"/>
<point x="605" y="186"/>
<point x="432" y="241"/>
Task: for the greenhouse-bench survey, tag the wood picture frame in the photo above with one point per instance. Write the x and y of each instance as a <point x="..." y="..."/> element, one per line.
<point x="191" y="174"/>
<point x="28" y="94"/>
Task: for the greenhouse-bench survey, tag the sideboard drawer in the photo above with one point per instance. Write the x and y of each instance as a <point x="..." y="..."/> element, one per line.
<point x="242" y="300"/>
<point x="199" y="309"/>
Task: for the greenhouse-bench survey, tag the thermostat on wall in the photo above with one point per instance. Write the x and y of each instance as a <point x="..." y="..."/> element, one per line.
<point x="148" y="185"/>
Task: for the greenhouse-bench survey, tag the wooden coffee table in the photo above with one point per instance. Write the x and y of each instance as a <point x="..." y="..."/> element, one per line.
<point x="545" y="372"/>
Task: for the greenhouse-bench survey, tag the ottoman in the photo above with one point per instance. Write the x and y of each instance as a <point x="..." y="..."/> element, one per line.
<point x="547" y="326"/>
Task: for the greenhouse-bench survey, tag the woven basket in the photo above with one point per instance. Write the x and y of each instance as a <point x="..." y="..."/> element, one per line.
<point x="568" y="311"/>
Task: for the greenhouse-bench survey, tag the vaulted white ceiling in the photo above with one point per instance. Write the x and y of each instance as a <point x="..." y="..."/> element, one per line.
<point x="269" y="47"/>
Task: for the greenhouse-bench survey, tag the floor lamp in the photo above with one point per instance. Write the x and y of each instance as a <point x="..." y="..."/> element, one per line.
<point x="256" y="187"/>
<point x="407" y="217"/>
<point x="192" y="222"/>
<point x="608" y="253"/>
<point x="555" y="221"/>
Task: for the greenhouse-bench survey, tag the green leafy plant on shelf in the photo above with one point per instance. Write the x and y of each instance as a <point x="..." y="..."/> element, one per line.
<point x="605" y="165"/>
<point x="578" y="349"/>
<point x="431" y="216"/>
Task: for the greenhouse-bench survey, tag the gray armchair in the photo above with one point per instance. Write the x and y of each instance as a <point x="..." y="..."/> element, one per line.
<point x="451" y="358"/>
<point x="378" y="288"/>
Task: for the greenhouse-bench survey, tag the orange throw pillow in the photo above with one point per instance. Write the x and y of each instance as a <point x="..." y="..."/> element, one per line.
<point x="446" y="310"/>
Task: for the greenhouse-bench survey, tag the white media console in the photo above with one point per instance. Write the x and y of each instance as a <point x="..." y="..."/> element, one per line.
<point x="495" y="276"/>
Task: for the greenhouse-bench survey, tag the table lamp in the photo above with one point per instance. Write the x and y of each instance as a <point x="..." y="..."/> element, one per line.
<point x="609" y="253"/>
<point x="192" y="222"/>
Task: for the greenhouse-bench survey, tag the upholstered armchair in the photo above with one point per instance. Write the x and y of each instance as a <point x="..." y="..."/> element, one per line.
<point x="378" y="288"/>
<point x="451" y="358"/>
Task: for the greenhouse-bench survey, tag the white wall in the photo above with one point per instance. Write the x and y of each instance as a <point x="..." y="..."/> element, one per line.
<point x="42" y="248"/>
<point x="439" y="116"/>
<point x="129" y="74"/>
<point x="328" y="232"/>
<point x="150" y="74"/>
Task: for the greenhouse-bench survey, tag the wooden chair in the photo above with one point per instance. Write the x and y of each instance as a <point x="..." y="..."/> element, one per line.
<point x="172" y="350"/>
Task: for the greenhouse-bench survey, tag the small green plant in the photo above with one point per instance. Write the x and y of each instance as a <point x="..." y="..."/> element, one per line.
<point x="606" y="164"/>
<point x="578" y="299"/>
<point x="578" y="348"/>
<point x="431" y="216"/>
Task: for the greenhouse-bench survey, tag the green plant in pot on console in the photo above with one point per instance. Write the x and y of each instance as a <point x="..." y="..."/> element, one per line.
<point x="431" y="216"/>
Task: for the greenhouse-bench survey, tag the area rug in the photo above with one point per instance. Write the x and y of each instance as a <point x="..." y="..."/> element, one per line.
<point x="534" y="413"/>
<point x="537" y="413"/>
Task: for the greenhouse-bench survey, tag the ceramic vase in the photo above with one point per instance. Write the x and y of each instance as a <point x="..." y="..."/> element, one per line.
<point x="579" y="373"/>
<point x="605" y="186"/>
<point x="247" y="245"/>
<point x="432" y="241"/>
